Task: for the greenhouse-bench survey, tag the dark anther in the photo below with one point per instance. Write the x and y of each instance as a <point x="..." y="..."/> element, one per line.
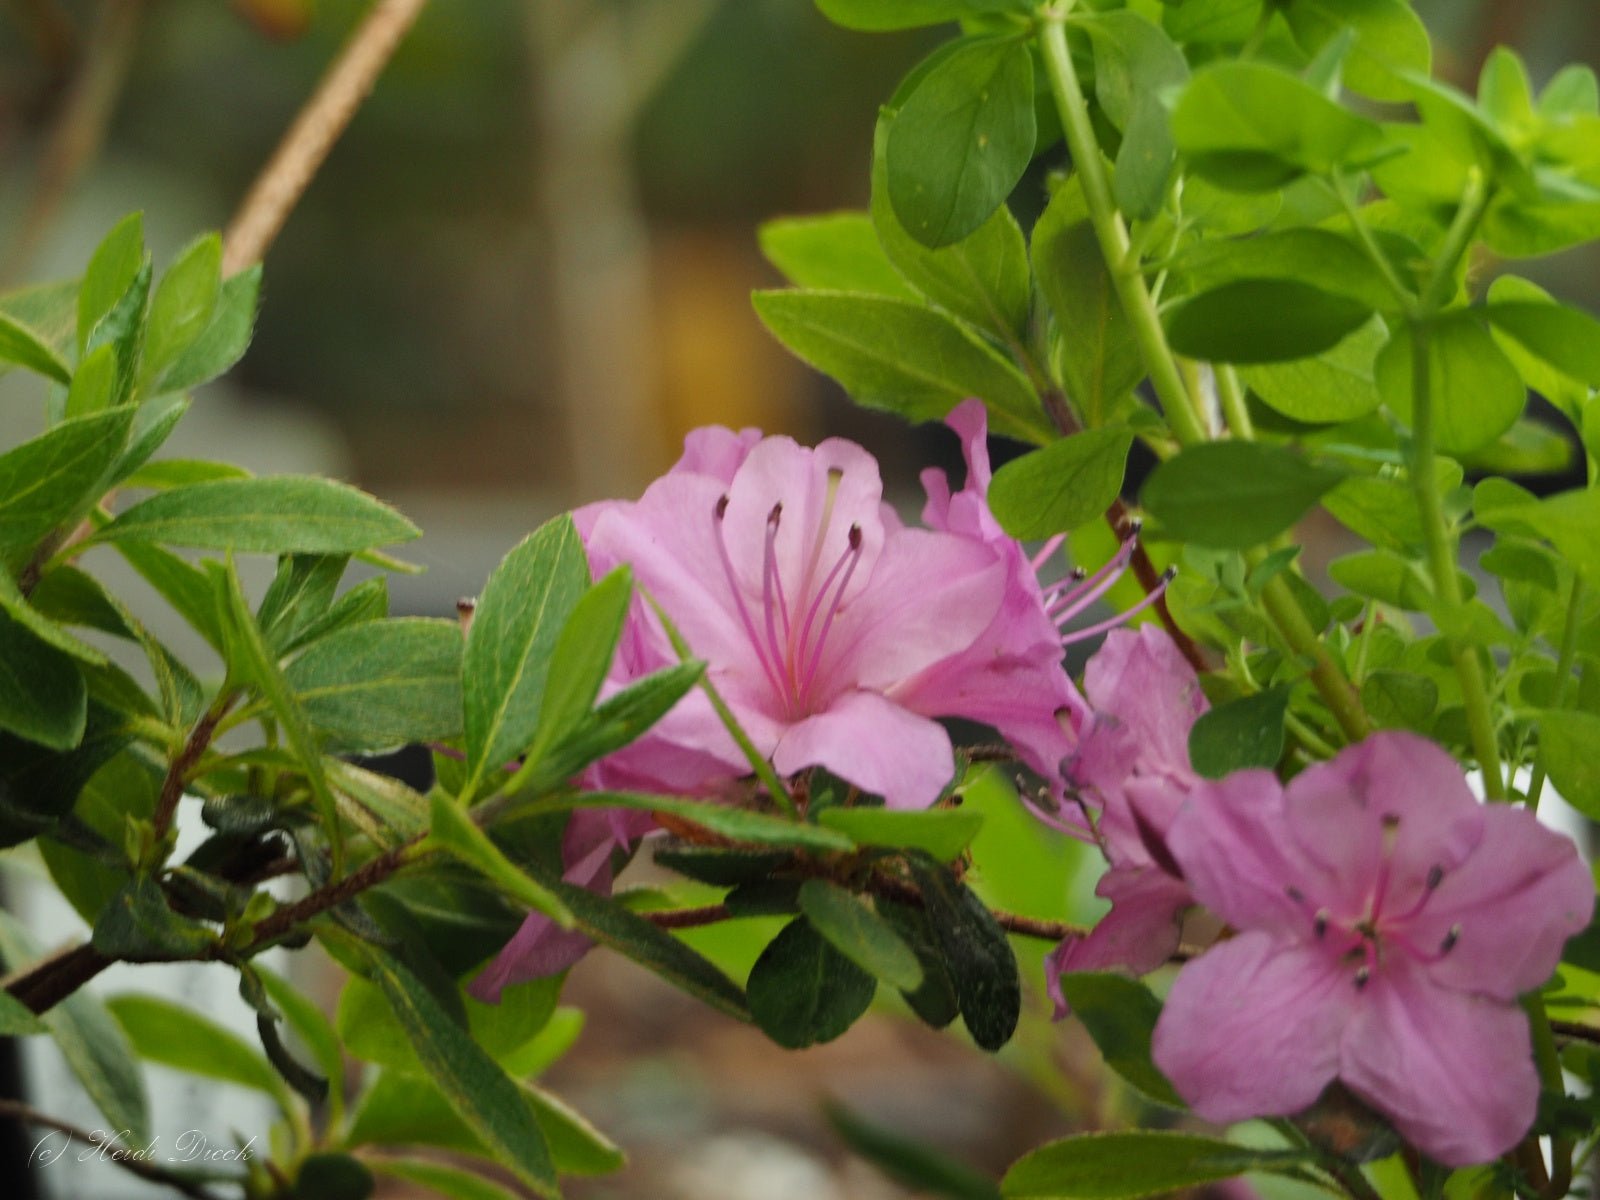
<point x="1295" y="894"/>
<point x="1435" y="876"/>
<point x="1391" y="822"/>
<point x="722" y="508"/>
<point x="1170" y="573"/>
<point x="855" y="537"/>
<point x="777" y="511"/>
<point x="1080" y="573"/>
<point x="1364" y="974"/>
<point x="1319" y="924"/>
<point x="1450" y="940"/>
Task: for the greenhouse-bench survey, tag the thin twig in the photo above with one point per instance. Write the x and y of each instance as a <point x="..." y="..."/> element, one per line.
<point x="110" y="1150"/>
<point x="178" y="771"/>
<point x="306" y="144"/>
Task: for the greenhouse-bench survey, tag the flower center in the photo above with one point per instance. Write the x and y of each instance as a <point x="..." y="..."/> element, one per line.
<point x="788" y="639"/>
<point x="1363" y="941"/>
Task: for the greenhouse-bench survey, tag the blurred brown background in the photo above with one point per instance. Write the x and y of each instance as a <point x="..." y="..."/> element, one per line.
<point x="522" y="275"/>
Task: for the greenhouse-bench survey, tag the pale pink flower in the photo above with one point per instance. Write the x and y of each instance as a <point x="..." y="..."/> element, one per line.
<point x="814" y="608"/>
<point x="1132" y="764"/>
<point x="1387" y="922"/>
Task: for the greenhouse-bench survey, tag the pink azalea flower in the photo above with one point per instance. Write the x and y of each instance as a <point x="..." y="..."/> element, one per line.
<point x="1387" y="922"/>
<point x="814" y="608"/>
<point x="1132" y="761"/>
<point x="1011" y="676"/>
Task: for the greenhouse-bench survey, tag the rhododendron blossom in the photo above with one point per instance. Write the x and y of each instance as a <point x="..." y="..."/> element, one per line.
<point x="1132" y="762"/>
<point x="1386" y="924"/>
<point x="834" y="632"/>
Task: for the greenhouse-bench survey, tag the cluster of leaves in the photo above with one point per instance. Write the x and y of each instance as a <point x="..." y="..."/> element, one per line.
<point x="109" y="739"/>
<point x="1267" y="217"/>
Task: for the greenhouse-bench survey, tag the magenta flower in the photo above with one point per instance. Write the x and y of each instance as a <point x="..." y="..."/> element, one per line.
<point x="814" y="608"/>
<point x="1387" y="922"/>
<point x="1132" y="762"/>
<point x="1011" y="676"/>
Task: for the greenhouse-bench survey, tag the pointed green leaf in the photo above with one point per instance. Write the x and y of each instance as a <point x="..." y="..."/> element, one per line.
<point x="56" y="475"/>
<point x="836" y="252"/>
<point x="1123" y="1166"/>
<point x="942" y="832"/>
<point x="855" y="930"/>
<point x="1063" y="486"/>
<point x="454" y="830"/>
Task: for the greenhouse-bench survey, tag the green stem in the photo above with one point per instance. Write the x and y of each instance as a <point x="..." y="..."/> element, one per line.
<point x="1234" y="410"/>
<point x="1566" y="656"/>
<point x="1112" y="235"/>
<point x="1373" y="250"/>
<point x="1180" y="407"/>
<point x="1442" y="566"/>
<point x="1548" y="1059"/>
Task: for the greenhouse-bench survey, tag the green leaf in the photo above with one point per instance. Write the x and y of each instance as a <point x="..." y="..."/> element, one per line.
<point x="1334" y="386"/>
<point x="183" y="303"/>
<point x="1135" y="64"/>
<point x="56" y="475"/>
<point x="1233" y="495"/>
<point x="1250" y="127"/>
<point x="617" y="721"/>
<point x="49" y="311"/>
<point x="43" y="698"/>
<point x="1262" y="320"/>
<point x="735" y="824"/>
<point x="1242" y="733"/>
<point x="962" y="139"/>
<point x="520" y="615"/>
<point x="577" y="1147"/>
<point x="306" y="1018"/>
<point x="1120" y="1015"/>
<point x="856" y="930"/>
<point x="1562" y="337"/>
<point x="299" y="594"/>
<point x="1400" y="699"/>
<point x="94" y="384"/>
<point x="942" y="832"/>
<point x="276" y="515"/>
<point x="250" y="658"/>
<point x="1570" y="521"/>
<point x="28" y="348"/>
<point x="836" y="252"/>
<point x="478" y="1089"/>
<point x="1538" y="371"/>
<point x="1208" y="21"/>
<point x="633" y="936"/>
<point x="1122" y="1166"/>
<point x="122" y="329"/>
<point x="1098" y="358"/>
<point x="96" y="1049"/>
<point x="111" y="271"/>
<point x="803" y="991"/>
<point x="580" y="660"/>
<point x="41" y="626"/>
<point x="1385" y="576"/>
<point x="188" y="1041"/>
<point x="224" y="340"/>
<point x="902" y="357"/>
<point x="1330" y="261"/>
<point x="382" y="684"/>
<point x="454" y="830"/>
<point x="438" y="1179"/>
<point x="1477" y="394"/>
<point x="1063" y="486"/>
<point x="979" y="959"/>
<point x="139" y="926"/>
<point x="1390" y="40"/>
<point x="883" y="15"/>
<point x="16" y="1020"/>
<point x="935" y="1002"/>
<point x="921" y="1168"/>
<point x="181" y="585"/>
<point x="1567" y="739"/>
<point x="176" y="472"/>
<point x="981" y="279"/>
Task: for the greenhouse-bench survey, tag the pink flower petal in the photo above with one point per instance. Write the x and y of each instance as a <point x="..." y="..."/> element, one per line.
<point x="1252" y="1028"/>
<point x="1232" y="842"/>
<point x="1394" y="803"/>
<point x="1140" y="677"/>
<point x="1138" y="935"/>
<point x="717" y="451"/>
<point x="874" y="744"/>
<point x="1508" y="910"/>
<point x="1454" y="1072"/>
